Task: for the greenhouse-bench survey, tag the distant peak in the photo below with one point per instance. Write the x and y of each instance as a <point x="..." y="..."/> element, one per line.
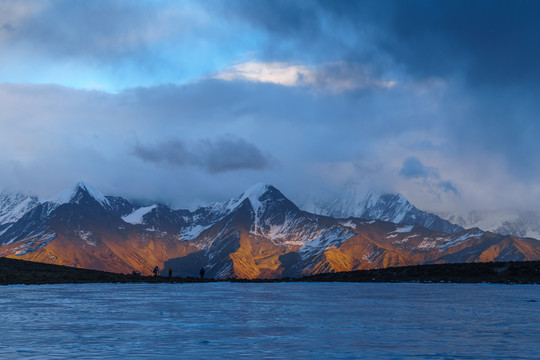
<point x="403" y="199"/>
<point x="257" y="195"/>
<point x="82" y="185"/>
<point x="395" y="197"/>
<point x="73" y="195"/>
<point x="258" y="189"/>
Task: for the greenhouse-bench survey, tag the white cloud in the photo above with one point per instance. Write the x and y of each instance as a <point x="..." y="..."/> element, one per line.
<point x="334" y="77"/>
<point x="275" y="73"/>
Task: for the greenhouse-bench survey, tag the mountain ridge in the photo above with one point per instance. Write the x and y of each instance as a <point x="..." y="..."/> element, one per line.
<point x="509" y="222"/>
<point x="378" y="206"/>
<point x="258" y="234"/>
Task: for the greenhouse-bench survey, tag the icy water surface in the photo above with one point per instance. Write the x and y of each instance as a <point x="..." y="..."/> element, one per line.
<point x="270" y="321"/>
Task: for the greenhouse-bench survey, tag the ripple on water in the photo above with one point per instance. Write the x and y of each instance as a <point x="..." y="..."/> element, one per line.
<point x="279" y="320"/>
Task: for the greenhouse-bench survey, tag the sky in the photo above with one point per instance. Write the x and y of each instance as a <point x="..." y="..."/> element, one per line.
<point x="189" y="102"/>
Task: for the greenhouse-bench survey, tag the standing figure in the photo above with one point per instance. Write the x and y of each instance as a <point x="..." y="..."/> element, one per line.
<point x="156" y="271"/>
<point x="202" y="272"/>
<point x="170" y="272"/>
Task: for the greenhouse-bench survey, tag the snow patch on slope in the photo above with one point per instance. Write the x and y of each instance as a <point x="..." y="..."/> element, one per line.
<point x="34" y="242"/>
<point x="137" y="217"/>
<point x="460" y="239"/>
<point x="87" y="235"/>
<point x="323" y="240"/>
<point x="404" y="229"/>
<point x="349" y="224"/>
<point x="192" y="232"/>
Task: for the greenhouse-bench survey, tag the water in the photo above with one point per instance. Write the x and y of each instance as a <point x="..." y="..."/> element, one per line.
<point x="270" y="321"/>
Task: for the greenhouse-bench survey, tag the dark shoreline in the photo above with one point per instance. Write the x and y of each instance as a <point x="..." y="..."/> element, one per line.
<point x="13" y="271"/>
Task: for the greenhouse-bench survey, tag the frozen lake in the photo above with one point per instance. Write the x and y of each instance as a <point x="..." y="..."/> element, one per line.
<point x="270" y="321"/>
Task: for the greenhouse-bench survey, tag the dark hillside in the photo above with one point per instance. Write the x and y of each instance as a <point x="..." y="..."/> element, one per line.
<point x="524" y="272"/>
<point x="14" y="271"/>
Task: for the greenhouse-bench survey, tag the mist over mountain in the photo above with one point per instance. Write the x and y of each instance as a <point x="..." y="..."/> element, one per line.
<point x="506" y="222"/>
<point x="378" y="206"/>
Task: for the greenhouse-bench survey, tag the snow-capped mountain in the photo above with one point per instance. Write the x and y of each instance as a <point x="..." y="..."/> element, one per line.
<point x="258" y="234"/>
<point x="506" y="222"/>
<point x="14" y="206"/>
<point x="373" y="206"/>
<point x="78" y="193"/>
<point x="34" y="227"/>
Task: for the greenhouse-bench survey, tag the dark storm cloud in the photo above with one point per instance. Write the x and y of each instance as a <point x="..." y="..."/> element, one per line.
<point x="229" y="154"/>
<point x="215" y="156"/>
<point x="311" y="30"/>
<point x="486" y="42"/>
<point x="491" y="42"/>
<point x="173" y="152"/>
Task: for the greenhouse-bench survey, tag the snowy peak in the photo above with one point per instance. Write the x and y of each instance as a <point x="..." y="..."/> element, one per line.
<point x="387" y="207"/>
<point x="260" y="196"/>
<point x="378" y="206"/>
<point x="79" y="192"/>
<point x="263" y="198"/>
<point x="253" y="194"/>
<point x="256" y="193"/>
<point x="371" y="205"/>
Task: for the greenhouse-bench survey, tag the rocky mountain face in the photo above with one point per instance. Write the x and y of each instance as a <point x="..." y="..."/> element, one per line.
<point x="259" y="234"/>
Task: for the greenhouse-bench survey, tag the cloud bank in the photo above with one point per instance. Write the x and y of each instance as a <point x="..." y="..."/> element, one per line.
<point x="190" y="102"/>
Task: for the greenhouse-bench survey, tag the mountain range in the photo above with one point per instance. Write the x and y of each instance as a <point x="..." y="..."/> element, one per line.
<point x="395" y="208"/>
<point x="258" y="234"/>
<point x="506" y="222"/>
<point x="378" y="206"/>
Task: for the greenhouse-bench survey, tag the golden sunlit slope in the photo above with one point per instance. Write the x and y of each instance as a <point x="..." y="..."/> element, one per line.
<point x="254" y="256"/>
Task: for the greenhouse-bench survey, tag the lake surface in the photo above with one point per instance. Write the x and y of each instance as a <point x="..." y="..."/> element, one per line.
<point x="270" y="321"/>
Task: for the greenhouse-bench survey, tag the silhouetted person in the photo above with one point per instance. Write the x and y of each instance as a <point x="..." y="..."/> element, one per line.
<point x="156" y="271"/>
<point x="170" y="272"/>
<point x="202" y="272"/>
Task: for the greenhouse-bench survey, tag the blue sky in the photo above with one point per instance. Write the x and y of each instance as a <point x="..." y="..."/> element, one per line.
<point x="188" y="102"/>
